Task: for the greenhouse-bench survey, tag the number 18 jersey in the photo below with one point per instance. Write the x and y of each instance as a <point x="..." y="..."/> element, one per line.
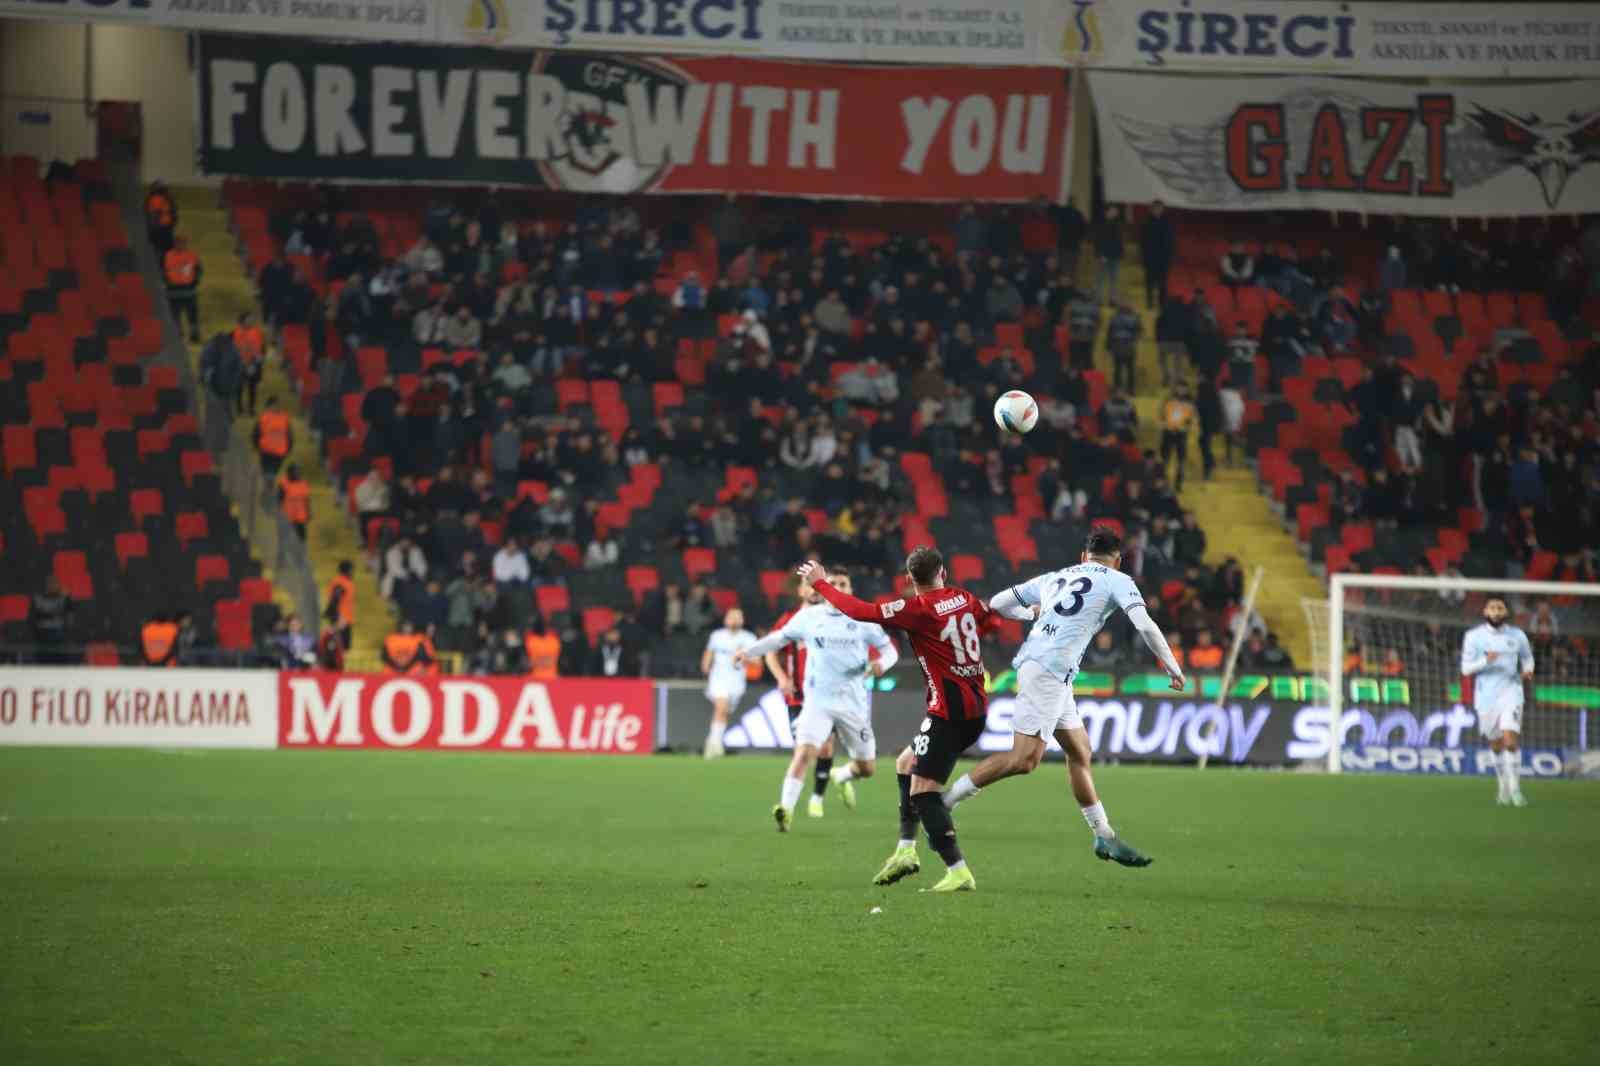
<point x="945" y="626"/>
<point x="1074" y="605"/>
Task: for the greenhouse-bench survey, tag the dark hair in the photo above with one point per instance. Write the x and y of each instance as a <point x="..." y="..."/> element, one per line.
<point x="838" y="571"/>
<point x="1103" y="540"/>
<point x="924" y="564"/>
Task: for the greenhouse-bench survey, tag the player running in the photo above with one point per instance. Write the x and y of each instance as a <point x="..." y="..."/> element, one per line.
<point x="725" y="680"/>
<point x="944" y="625"/>
<point x="838" y="664"/>
<point x="1073" y="605"/>
<point x="788" y="666"/>
<point x="1496" y="659"/>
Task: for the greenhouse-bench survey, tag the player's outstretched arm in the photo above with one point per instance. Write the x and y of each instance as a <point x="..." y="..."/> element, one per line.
<point x="862" y="611"/>
<point x="1008" y="604"/>
<point x="1157" y="643"/>
<point x="769" y="643"/>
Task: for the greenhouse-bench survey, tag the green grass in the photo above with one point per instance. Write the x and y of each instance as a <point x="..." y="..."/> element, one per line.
<point x="349" y="908"/>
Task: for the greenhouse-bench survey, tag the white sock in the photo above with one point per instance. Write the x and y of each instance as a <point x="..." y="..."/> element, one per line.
<point x="717" y="729"/>
<point x="1511" y="761"/>
<point x="963" y="789"/>
<point x="962" y="865"/>
<point x="843" y="773"/>
<point x="1502" y="790"/>
<point x="1095" y="815"/>
<point x="791" y="792"/>
<point x="905" y="844"/>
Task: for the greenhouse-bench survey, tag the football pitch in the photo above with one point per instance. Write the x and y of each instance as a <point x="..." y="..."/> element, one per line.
<point x="346" y="907"/>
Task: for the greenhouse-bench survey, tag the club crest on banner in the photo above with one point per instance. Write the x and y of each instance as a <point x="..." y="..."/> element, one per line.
<point x="485" y="21"/>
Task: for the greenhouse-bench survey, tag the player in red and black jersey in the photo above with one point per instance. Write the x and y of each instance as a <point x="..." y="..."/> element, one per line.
<point x="788" y="666"/>
<point x="945" y="625"/>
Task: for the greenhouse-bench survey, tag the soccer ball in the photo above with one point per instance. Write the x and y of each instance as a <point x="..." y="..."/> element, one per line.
<point x="1016" y="412"/>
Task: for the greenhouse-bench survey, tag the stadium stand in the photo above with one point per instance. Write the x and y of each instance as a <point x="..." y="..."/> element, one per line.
<point x="1426" y="398"/>
<point x="108" y="492"/>
<point x="518" y="387"/>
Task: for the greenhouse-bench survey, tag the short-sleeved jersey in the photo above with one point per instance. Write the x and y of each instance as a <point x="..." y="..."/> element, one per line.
<point x="839" y="652"/>
<point x="945" y="627"/>
<point x="793" y="658"/>
<point x="1492" y="681"/>
<point x="1074" y="604"/>
<point x="723" y="644"/>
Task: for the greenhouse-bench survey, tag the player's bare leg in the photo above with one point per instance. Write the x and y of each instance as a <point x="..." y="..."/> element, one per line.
<point x="846" y="776"/>
<point x="719" y="726"/>
<point x="1024" y="757"/>
<point x="794" y="782"/>
<point x="1511" y="768"/>
<point x="1107" y="845"/>
<point x="821" y="776"/>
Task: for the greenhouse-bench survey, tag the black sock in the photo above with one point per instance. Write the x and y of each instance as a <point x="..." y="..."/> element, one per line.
<point x="908" y="813"/>
<point x="941" y="830"/>
<point x="824" y="768"/>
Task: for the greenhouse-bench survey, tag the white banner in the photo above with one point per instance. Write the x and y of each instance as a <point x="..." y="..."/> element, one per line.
<point x="1368" y="39"/>
<point x="992" y="33"/>
<point x="139" y="708"/>
<point x="1252" y="144"/>
<point x="382" y="20"/>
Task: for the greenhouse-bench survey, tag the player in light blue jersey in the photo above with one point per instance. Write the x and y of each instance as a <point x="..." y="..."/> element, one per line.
<point x="839" y="667"/>
<point x="1068" y="608"/>
<point x="1498" y="659"/>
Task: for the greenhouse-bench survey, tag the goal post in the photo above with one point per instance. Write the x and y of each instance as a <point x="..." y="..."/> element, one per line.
<point x="1241" y="633"/>
<point x="1389" y="646"/>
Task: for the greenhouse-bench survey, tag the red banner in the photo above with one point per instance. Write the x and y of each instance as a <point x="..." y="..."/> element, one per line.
<point x="322" y="710"/>
<point x="890" y="133"/>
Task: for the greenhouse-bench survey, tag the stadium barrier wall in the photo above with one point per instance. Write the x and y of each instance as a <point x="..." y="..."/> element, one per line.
<point x="1124" y="726"/>
<point x="118" y="707"/>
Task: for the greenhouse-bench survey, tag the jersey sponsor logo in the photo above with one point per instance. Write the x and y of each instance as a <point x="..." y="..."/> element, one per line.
<point x="892" y="608"/>
<point x="953" y="603"/>
<point x="967" y="671"/>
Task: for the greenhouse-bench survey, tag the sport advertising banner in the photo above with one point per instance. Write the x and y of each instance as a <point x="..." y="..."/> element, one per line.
<point x="383" y="20"/>
<point x="1138" y="726"/>
<point x="1257" y="144"/>
<point x="565" y="120"/>
<point x="139" y="708"/>
<point x="1397" y="40"/>
<point x="994" y="32"/>
<point x="319" y="710"/>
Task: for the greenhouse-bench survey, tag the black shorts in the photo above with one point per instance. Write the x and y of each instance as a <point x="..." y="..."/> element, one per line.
<point x="939" y="742"/>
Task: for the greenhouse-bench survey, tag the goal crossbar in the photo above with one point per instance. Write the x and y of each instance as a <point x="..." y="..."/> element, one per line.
<point x="1338" y="584"/>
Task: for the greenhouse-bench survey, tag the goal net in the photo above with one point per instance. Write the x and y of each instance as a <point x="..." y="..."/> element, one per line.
<point x="1389" y="650"/>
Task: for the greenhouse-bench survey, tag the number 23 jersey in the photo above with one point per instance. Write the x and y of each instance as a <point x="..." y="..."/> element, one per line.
<point x="1074" y="604"/>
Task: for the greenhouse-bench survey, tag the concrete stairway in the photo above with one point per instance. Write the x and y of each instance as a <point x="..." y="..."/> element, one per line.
<point x="1237" y="517"/>
<point x="227" y="291"/>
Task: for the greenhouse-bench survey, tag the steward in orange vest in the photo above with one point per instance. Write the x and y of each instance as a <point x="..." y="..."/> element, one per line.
<point x="544" y="652"/>
<point x="407" y="652"/>
<point x="294" y="499"/>
<point x="183" y="271"/>
<point x="160" y="216"/>
<point x="273" y="438"/>
<point x="251" y="344"/>
<point x="341" y="608"/>
<point x="159" y="638"/>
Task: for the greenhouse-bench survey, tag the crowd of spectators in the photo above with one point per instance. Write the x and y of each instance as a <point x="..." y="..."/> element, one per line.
<point x="842" y="354"/>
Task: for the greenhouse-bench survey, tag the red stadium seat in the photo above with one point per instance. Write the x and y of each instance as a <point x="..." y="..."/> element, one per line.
<point x="552" y="600"/>
<point x="641" y="580"/>
<point x="698" y="563"/>
<point x="208" y="568"/>
<point x="596" y="620"/>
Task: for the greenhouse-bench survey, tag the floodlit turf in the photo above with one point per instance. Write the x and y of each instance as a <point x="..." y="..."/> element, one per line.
<point x="347" y="908"/>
